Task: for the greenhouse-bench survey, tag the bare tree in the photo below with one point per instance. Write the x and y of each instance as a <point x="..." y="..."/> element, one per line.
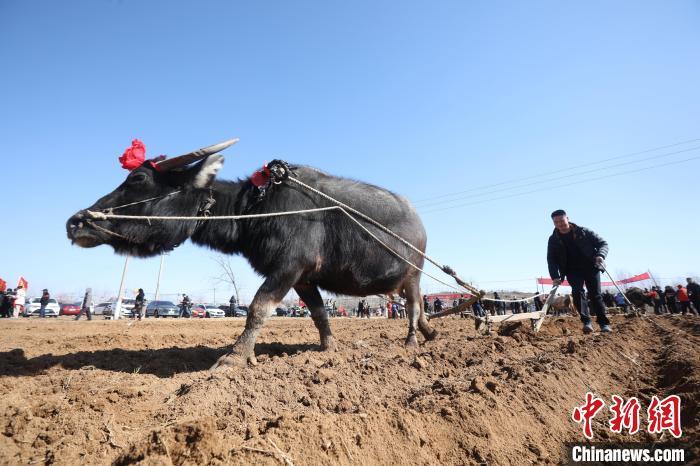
<point x="226" y="274"/>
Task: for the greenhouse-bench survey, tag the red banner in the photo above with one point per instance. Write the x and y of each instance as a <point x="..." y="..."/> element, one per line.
<point x="636" y="278"/>
<point x="3" y="285"/>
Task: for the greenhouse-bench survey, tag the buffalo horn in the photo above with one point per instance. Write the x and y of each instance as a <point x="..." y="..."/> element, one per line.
<point x="186" y="159"/>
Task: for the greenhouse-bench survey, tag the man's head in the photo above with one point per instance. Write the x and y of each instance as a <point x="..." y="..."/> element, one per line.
<point x="689" y="280"/>
<point x="561" y="221"/>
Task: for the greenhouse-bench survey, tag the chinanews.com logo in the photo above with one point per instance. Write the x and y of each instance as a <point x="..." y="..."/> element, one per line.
<point x="661" y="419"/>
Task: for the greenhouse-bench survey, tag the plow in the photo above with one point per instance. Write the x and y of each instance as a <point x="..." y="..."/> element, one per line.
<point x="485" y="323"/>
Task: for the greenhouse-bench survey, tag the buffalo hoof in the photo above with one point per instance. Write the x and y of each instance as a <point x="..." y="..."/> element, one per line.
<point x="329" y="344"/>
<point x="411" y="341"/>
<point x="430" y="335"/>
<point x="234" y="360"/>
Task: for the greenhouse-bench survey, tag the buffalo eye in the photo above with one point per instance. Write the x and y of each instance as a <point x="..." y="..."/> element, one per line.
<point x="137" y="178"/>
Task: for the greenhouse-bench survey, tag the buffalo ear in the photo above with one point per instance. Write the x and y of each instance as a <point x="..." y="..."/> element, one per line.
<point x="207" y="171"/>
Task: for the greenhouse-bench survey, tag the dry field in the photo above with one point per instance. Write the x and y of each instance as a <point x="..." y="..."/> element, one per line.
<point x="105" y="392"/>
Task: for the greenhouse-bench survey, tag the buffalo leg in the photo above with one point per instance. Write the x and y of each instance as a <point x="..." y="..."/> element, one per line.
<point x="416" y="313"/>
<point x="311" y="296"/>
<point x="266" y="299"/>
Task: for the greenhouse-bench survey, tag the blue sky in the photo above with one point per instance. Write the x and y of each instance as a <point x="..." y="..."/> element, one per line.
<point x="424" y="99"/>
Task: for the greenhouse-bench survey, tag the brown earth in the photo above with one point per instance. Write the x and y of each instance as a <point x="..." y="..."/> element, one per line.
<point x="108" y="392"/>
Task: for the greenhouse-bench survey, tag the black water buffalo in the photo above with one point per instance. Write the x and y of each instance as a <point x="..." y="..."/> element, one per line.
<point x="306" y="252"/>
<point x="639" y="298"/>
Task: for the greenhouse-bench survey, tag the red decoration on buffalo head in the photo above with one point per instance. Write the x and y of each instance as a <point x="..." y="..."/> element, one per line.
<point x="261" y="177"/>
<point x="134" y="156"/>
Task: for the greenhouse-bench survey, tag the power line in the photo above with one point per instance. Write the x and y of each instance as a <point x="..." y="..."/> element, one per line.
<point x="676" y="162"/>
<point x="518" y="186"/>
<point x="477" y="188"/>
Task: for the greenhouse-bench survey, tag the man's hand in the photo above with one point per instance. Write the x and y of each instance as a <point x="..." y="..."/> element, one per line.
<point x="599" y="263"/>
<point x="556" y="282"/>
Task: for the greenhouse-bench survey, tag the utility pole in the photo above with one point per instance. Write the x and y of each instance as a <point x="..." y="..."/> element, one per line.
<point x="118" y="307"/>
<point x="160" y="272"/>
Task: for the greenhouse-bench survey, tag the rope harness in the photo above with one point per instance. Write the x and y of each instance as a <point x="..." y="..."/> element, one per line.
<point x="279" y="171"/>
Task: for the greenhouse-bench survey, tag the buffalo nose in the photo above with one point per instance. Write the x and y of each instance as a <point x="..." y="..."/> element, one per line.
<point x="76" y="221"/>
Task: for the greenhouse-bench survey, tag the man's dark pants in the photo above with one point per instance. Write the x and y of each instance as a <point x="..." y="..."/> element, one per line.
<point x="696" y="303"/>
<point x="591" y="278"/>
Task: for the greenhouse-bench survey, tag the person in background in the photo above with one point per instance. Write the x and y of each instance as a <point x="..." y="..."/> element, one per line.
<point x="499" y="305"/>
<point x="693" y="293"/>
<point x="670" y="297"/>
<point x="20" y="299"/>
<point x="139" y="303"/>
<point x="656" y="297"/>
<point x="621" y="302"/>
<point x="514" y="307"/>
<point x="478" y="308"/>
<point x="86" y="306"/>
<point x="43" y="302"/>
<point x="6" y="303"/>
<point x="232" y="305"/>
<point x="524" y="306"/>
<point x="426" y="304"/>
<point x="683" y="300"/>
<point x="185" y="306"/>
<point x="608" y="299"/>
<point x="437" y="305"/>
<point x="538" y="301"/>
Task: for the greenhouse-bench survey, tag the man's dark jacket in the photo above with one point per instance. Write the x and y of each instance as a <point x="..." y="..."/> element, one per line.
<point x="693" y="291"/>
<point x="588" y="242"/>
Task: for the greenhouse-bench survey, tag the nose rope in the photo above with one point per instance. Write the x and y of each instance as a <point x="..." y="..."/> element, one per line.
<point x="141" y="202"/>
<point x="103" y="213"/>
<point x="110" y="232"/>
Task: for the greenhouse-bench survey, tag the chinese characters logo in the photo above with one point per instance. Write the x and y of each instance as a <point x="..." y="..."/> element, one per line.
<point x="662" y="415"/>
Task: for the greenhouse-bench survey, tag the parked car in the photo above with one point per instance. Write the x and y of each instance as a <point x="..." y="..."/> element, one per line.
<point x="238" y="311"/>
<point x="100" y="308"/>
<point x="199" y="311"/>
<point x="211" y="311"/>
<point x="162" y="309"/>
<point x="126" y="309"/>
<point x="70" y="309"/>
<point x="33" y="305"/>
<point x="282" y="311"/>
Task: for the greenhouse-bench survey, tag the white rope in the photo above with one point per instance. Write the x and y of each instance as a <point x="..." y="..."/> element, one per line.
<point x="145" y="200"/>
<point x="378" y="225"/>
<point x="339" y="206"/>
<point x="104" y="216"/>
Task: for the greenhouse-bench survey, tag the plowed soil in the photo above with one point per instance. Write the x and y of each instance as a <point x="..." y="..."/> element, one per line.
<point x="106" y="392"/>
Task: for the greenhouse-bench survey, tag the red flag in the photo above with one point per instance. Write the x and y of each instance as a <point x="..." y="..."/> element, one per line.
<point x="3" y="285"/>
<point x="23" y="283"/>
